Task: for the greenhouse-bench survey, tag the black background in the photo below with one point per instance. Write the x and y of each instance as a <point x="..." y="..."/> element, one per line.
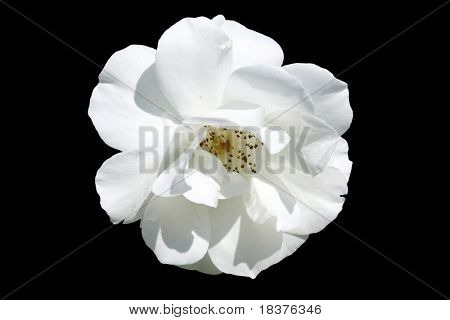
<point x="397" y="190"/>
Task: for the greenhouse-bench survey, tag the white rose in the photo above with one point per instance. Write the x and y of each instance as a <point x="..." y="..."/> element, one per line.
<point x="245" y="157"/>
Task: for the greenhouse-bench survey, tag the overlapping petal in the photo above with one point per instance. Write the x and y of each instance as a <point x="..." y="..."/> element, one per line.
<point x="193" y="61"/>
<point x="113" y="108"/>
<point x="177" y="230"/>
<point x="199" y="176"/>
<point x="232" y="114"/>
<point x="205" y="265"/>
<point x="340" y="159"/>
<point x="242" y="247"/>
<point x="268" y="86"/>
<point x="312" y="141"/>
<point x="330" y="95"/>
<point x="124" y="183"/>
<point x="301" y="203"/>
<point x="250" y="47"/>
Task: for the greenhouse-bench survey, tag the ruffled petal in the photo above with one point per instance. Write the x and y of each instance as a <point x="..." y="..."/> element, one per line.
<point x="177" y="230"/>
<point x="205" y="265"/>
<point x="274" y="140"/>
<point x="172" y="181"/>
<point x="204" y="189"/>
<point x="241" y="247"/>
<point x="301" y="204"/>
<point x="330" y="95"/>
<point x="235" y="185"/>
<point x="193" y="61"/>
<point x="210" y="181"/>
<point x="233" y="114"/>
<point x="271" y="87"/>
<point x="250" y="47"/>
<point x="124" y="183"/>
<point x="119" y="109"/>
<point x="340" y="159"/>
<point x="312" y="142"/>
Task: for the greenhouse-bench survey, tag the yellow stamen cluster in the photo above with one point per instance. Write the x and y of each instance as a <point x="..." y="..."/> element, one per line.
<point x="236" y="149"/>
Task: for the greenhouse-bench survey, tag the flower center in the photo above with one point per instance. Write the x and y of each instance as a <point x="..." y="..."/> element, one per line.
<point x="236" y="149"/>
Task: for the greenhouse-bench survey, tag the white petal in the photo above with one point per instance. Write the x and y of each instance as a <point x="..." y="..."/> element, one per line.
<point x="235" y="185"/>
<point x="177" y="230"/>
<point x="149" y="94"/>
<point x="330" y="95"/>
<point x="274" y="139"/>
<point x="302" y="204"/>
<point x="193" y="61"/>
<point x="204" y="189"/>
<point x="208" y="164"/>
<point x="219" y="20"/>
<point x="172" y="181"/>
<point x="250" y="47"/>
<point x="241" y="247"/>
<point x="263" y="201"/>
<point x="117" y="108"/>
<point x="233" y="114"/>
<point x="205" y="265"/>
<point x="312" y="143"/>
<point x="210" y="181"/>
<point x="340" y="159"/>
<point x="123" y="186"/>
<point x="270" y="87"/>
<point x="231" y="184"/>
<point x="319" y="198"/>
